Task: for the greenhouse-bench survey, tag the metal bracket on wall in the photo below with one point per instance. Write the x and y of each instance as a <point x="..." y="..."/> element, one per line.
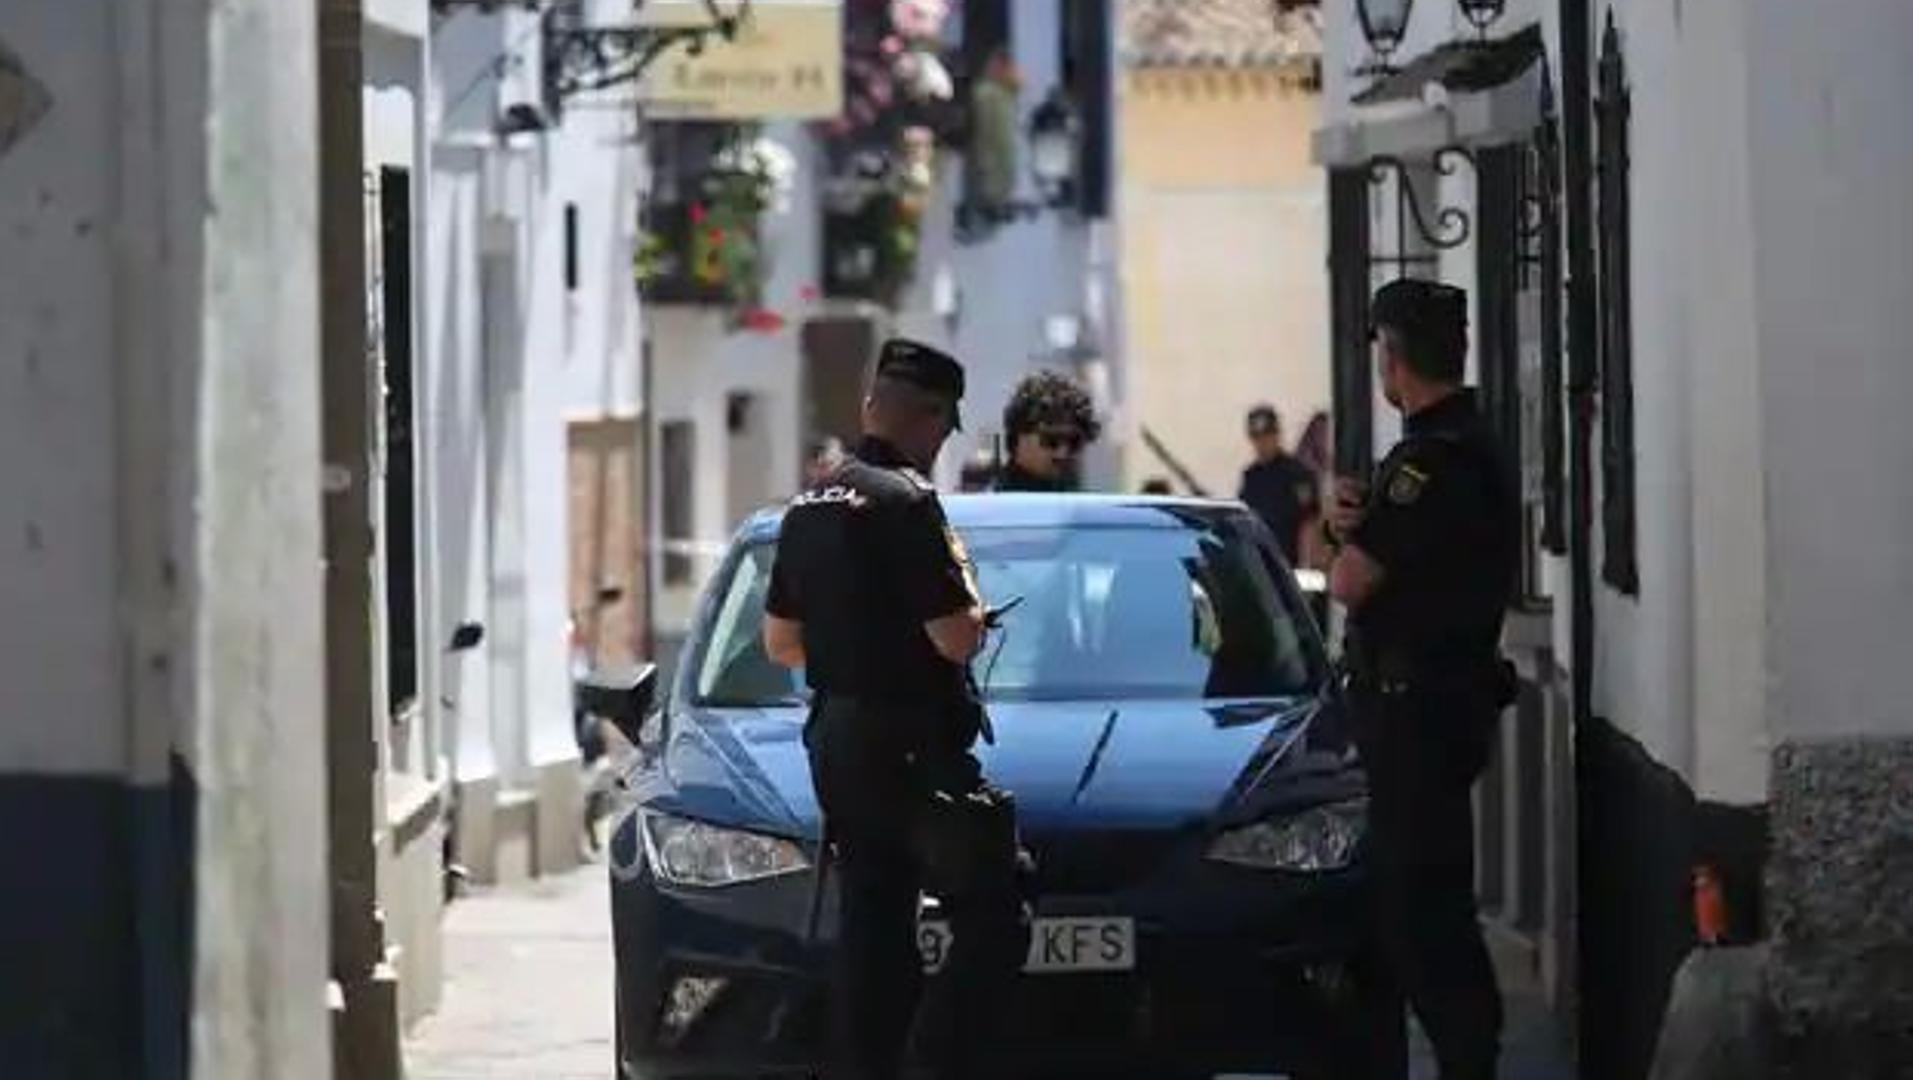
<point x="582" y="59"/>
<point x="1451" y="227"/>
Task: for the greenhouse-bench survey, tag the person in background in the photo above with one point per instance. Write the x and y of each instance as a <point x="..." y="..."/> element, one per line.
<point x="1282" y="491"/>
<point x="1316" y="451"/>
<point x="1048" y="422"/>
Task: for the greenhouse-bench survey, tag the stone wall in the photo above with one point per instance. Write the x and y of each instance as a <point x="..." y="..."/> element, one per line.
<point x="1840" y="891"/>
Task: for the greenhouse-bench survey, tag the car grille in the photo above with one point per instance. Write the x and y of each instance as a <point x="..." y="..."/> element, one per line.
<point x="1091" y="862"/>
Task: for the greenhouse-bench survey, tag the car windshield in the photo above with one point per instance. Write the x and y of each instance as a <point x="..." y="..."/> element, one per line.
<point x="1104" y="613"/>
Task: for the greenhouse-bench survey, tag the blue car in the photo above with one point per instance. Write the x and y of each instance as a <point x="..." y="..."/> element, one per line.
<point x="1165" y="717"/>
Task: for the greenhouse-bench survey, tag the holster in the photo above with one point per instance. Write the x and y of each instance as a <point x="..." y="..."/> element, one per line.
<point x="967" y="839"/>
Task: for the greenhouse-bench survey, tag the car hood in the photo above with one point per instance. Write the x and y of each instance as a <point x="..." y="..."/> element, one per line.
<point x="1102" y="765"/>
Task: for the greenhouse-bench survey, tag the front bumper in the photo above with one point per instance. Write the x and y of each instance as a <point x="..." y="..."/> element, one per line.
<point x="1237" y="970"/>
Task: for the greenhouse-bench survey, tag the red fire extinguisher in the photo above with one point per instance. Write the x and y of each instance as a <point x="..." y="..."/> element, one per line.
<point x="1710" y="906"/>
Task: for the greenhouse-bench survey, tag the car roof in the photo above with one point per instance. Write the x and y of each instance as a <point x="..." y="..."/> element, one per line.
<point x="1028" y="510"/>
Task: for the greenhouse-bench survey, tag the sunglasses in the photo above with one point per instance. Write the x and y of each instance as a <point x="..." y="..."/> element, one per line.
<point x="1060" y="440"/>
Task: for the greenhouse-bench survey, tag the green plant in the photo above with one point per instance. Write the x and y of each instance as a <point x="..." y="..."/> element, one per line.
<point x="710" y="249"/>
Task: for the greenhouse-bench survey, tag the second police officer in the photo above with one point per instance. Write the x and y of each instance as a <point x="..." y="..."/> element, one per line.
<point x="1426" y="566"/>
<point x="873" y="595"/>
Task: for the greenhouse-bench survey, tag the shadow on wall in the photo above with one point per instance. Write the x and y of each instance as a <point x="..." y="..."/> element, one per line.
<point x="1636" y="848"/>
<point x="99" y="937"/>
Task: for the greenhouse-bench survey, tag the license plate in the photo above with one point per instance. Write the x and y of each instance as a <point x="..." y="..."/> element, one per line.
<point x="1057" y="945"/>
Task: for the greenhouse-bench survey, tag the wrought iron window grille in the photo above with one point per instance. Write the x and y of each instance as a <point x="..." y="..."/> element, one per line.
<point x="1619" y="526"/>
<point x="1544" y="164"/>
<point x="1420" y="239"/>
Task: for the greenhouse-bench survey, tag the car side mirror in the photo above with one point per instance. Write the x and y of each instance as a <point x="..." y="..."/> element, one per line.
<point x="625" y="698"/>
<point x="467" y="637"/>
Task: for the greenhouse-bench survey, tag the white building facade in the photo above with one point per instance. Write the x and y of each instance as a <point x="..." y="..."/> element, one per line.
<point x="530" y="382"/>
<point x="738" y="407"/>
<point x="504" y="329"/>
<point x="1686" y="255"/>
<point x="161" y="689"/>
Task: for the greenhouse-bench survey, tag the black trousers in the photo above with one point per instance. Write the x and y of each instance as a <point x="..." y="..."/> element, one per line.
<point x="1422" y="752"/>
<point x="872" y="783"/>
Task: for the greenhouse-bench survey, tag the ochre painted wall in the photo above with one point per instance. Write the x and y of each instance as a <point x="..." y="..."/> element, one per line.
<point x="1224" y="241"/>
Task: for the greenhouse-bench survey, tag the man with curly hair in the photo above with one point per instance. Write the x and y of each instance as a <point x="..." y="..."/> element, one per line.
<point x="1048" y="423"/>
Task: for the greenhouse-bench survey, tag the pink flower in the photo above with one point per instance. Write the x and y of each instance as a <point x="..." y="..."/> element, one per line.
<point x="919" y="19"/>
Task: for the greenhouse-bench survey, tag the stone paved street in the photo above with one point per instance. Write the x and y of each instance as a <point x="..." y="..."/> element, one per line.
<point x="528" y="993"/>
<point x="527" y="986"/>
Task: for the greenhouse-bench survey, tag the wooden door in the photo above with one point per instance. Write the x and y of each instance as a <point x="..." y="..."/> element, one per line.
<point x="606" y="541"/>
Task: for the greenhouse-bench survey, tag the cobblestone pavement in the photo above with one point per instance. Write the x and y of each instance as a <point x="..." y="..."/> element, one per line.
<point x="528" y="993"/>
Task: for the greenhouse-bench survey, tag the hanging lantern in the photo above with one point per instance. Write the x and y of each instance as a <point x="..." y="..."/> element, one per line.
<point x="1384" y="24"/>
<point x="1482" y="13"/>
<point x="1055" y="138"/>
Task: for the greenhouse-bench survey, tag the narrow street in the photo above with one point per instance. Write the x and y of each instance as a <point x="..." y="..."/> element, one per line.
<point x="528" y="993"/>
<point x="527" y="985"/>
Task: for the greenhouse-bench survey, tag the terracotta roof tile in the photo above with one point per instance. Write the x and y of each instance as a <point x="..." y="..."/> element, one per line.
<point x="1219" y="33"/>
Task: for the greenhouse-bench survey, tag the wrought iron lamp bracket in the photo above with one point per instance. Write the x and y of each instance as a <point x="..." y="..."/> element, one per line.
<point x="585" y="59"/>
<point x="1451" y="226"/>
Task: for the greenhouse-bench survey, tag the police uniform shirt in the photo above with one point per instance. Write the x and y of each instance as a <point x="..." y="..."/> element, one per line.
<point x="1283" y="492"/>
<point x="1444" y="525"/>
<point x="864" y="559"/>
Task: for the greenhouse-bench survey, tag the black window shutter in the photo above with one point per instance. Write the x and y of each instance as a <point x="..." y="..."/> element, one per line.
<point x="571" y="247"/>
<point x="401" y="442"/>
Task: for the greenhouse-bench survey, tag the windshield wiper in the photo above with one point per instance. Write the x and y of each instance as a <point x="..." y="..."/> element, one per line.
<point x="750" y="703"/>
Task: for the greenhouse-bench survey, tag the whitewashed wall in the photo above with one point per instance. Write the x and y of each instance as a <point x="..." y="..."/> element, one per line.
<point x="1682" y="666"/>
<point x="454" y="389"/>
<point x="1830" y="149"/>
<point x="514" y="355"/>
<point x="699" y="362"/>
<point x="1644" y="647"/>
<point x="160" y="583"/>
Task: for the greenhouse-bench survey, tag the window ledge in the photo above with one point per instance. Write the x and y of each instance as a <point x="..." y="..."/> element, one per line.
<point x="412" y="803"/>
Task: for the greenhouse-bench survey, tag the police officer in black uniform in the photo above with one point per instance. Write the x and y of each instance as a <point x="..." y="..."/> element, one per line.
<point x="1426" y="565"/>
<point x="873" y="595"/>
<point x="1281" y="490"/>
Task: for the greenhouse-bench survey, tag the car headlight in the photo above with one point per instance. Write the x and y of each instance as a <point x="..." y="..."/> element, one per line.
<point x="686" y="852"/>
<point x="1317" y="839"/>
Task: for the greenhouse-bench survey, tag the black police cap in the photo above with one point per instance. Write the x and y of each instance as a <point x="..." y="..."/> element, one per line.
<point x="920" y="365"/>
<point x="1421" y="309"/>
<point x="1263" y="420"/>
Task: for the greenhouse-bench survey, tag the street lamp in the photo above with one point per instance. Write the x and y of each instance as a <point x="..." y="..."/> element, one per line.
<point x="1055" y="139"/>
<point x="1481" y="13"/>
<point x="1384" y="24"/>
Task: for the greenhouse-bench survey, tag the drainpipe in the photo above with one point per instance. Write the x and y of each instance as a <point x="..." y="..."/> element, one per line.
<point x="365" y="1014"/>
<point x="1577" y="158"/>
